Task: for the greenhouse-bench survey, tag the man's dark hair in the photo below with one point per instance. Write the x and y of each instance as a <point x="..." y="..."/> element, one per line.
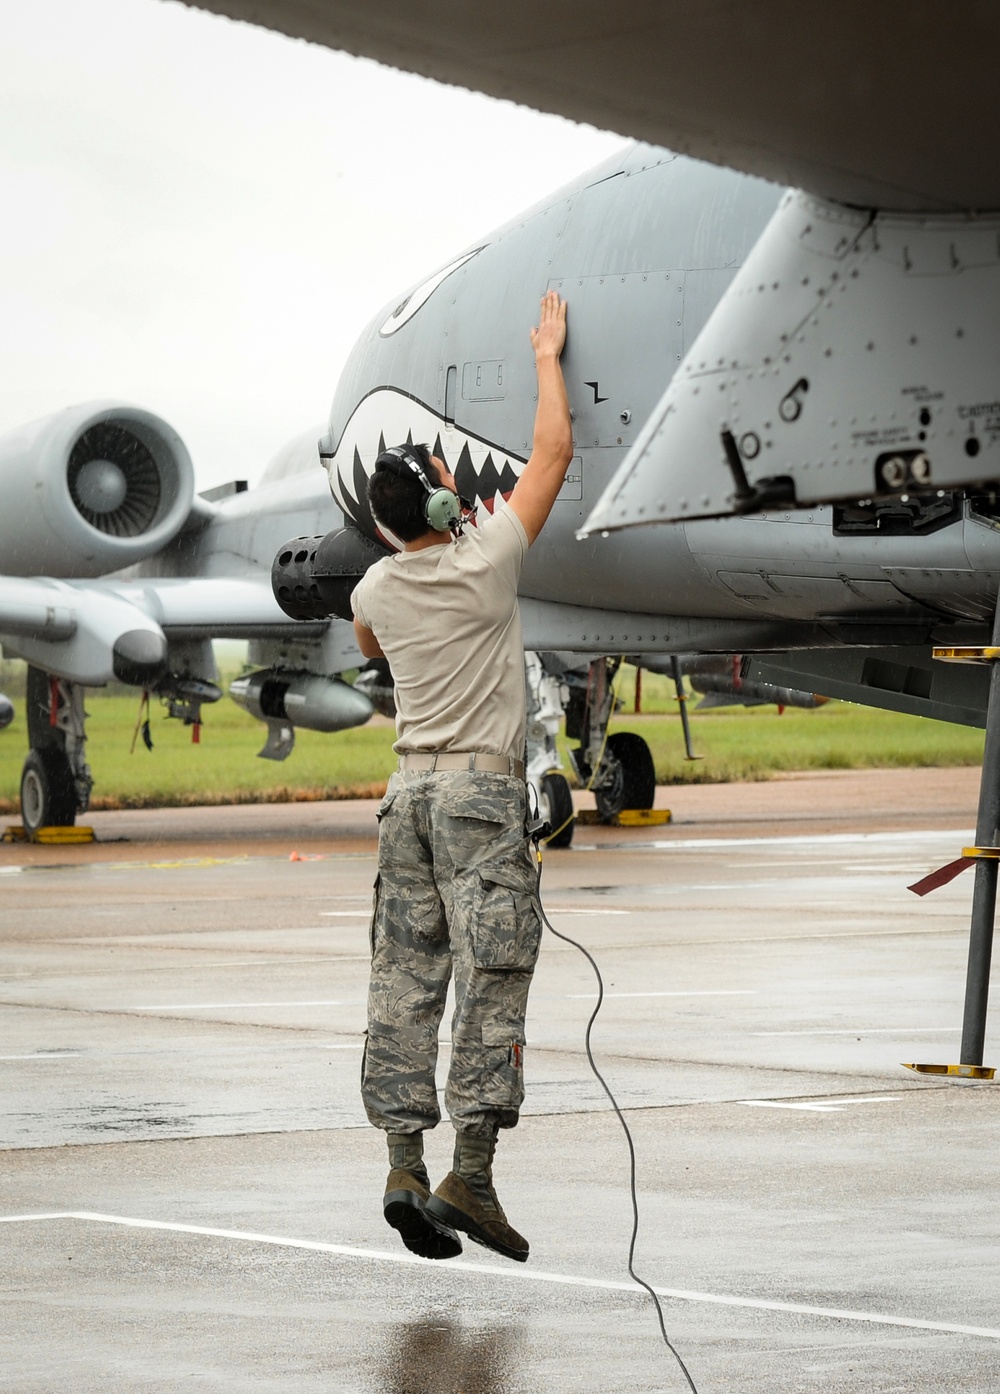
<point x="396" y="496"/>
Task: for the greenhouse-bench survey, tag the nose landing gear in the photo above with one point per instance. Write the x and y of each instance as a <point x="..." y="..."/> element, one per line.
<point x="617" y="768"/>
<point x="546" y="696"/>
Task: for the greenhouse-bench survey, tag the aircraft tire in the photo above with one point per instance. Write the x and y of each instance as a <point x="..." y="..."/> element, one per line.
<point x="48" y="790"/>
<point x="637" y="786"/>
<point x="556" y="805"/>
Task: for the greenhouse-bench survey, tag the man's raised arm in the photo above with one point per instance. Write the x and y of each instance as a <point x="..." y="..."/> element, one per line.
<point x="552" y="444"/>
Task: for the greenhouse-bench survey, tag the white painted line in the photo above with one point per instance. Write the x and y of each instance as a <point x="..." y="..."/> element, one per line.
<point x="820" y="1106"/>
<point x="875" y="1099"/>
<point x="346" y="915"/>
<point x="773" y="1103"/>
<point x="10" y="870"/>
<point x="867" y="1031"/>
<point x="582" y="910"/>
<point x="234" y="1006"/>
<point x="253" y="1047"/>
<point x="530" y="1275"/>
<point x="801" y="840"/>
<point x="708" y="992"/>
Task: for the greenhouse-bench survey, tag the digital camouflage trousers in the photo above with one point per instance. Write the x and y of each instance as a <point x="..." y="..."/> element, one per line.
<point x="456" y="895"/>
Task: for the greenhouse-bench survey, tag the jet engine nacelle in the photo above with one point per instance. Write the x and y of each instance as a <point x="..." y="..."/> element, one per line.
<point x="90" y="490"/>
<point x="309" y="700"/>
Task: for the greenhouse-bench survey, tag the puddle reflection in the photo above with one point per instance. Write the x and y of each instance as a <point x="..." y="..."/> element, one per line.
<point x="437" y="1355"/>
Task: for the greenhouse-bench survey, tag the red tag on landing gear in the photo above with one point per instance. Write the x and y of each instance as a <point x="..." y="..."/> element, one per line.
<point x="514" y="1055"/>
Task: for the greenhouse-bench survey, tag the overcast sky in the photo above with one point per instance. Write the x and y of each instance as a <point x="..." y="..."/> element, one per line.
<point x="199" y="217"/>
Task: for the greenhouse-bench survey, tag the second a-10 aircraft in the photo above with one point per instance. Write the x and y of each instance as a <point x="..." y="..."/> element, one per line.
<point x="846" y="600"/>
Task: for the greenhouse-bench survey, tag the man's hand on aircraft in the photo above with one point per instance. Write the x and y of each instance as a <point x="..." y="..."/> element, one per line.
<point x="550" y="336"/>
<point x="552" y="445"/>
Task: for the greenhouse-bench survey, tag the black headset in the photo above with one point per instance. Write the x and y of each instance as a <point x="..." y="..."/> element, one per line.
<point x="442" y="509"/>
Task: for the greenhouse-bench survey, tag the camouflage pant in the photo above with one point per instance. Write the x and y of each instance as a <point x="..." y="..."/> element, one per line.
<point x="456" y="892"/>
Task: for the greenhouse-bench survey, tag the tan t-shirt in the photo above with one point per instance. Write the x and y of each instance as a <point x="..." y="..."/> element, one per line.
<point x="447" y="620"/>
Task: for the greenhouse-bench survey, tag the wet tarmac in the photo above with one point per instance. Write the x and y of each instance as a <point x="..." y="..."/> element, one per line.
<point x="191" y="1195"/>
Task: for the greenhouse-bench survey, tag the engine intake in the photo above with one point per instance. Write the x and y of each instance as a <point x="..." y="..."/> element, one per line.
<point x="90" y="490"/>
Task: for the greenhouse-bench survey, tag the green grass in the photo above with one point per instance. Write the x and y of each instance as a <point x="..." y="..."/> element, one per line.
<point x="737" y="744"/>
<point x="221" y="768"/>
<point x="753" y="743"/>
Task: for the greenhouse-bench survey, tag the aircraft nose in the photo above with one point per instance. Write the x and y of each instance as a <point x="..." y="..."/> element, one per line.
<point x="139" y="657"/>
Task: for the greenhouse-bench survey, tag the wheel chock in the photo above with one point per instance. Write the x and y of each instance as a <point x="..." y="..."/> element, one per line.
<point x="627" y="818"/>
<point x="50" y="837"/>
<point x="956" y="1071"/>
<point x="642" y="818"/>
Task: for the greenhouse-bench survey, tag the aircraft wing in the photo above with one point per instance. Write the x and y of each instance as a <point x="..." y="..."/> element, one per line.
<point x="94" y="632"/>
<point x="210" y="607"/>
<point x="889" y="104"/>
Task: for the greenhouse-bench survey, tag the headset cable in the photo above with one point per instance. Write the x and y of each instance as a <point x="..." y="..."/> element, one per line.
<point x="618" y="1113"/>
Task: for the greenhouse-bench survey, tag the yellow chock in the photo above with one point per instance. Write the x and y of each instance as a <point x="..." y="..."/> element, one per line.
<point x="628" y="818"/>
<point x="982" y="854"/>
<point x="50" y="837"/>
<point x="990" y="654"/>
<point x="956" y="1071"/>
<point x="642" y="818"/>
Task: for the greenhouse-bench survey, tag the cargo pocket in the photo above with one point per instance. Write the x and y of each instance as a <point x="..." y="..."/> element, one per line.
<point x="506" y="926"/>
<point x="503" y="1067"/>
<point x="485" y="798"/>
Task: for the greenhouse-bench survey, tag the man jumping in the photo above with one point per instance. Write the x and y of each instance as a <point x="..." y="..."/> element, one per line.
<point x="456" y="893"/>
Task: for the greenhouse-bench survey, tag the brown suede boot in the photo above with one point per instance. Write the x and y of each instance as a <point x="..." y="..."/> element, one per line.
<point x="407" y="1191"/>
<point x="466" y="1200"/>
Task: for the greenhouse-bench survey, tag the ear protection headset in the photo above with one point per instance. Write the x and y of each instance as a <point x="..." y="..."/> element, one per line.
<point x="442" y="509"/>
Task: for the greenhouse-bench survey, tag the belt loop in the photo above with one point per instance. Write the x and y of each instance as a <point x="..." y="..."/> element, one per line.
<point x="472" y="762"/>
<point x="434" y="763"/>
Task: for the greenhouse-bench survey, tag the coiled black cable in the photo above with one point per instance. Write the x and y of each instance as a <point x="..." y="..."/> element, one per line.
<point x="625" y="1129"/>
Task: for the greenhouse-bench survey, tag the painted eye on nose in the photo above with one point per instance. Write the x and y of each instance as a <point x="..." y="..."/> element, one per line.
<point x="413" y="302"/>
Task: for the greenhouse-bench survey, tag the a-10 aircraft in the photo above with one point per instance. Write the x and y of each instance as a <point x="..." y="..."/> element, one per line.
<point x="643" y="247"/>
<point x="847" y="600"/>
